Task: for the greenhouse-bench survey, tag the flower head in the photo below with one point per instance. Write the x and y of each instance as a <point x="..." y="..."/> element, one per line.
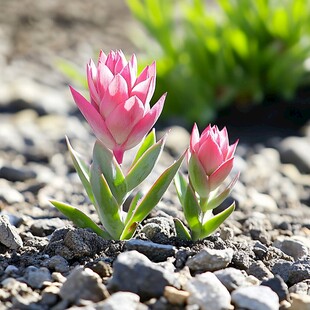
<point x="211" y="158"/>
<point x="119" y="111"/>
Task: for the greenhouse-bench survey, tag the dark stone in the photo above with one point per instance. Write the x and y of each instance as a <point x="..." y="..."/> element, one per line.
<point x="16" y="174"/>
<point x="278" y="286"/>
<point x="134" y="272"/>
<point x="154" y="251"/>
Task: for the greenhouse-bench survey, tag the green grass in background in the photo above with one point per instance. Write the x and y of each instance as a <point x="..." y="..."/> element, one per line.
<point x="212" y="54"/>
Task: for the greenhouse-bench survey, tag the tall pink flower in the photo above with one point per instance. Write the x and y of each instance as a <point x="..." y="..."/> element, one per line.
<point x="211" y="159"/>
<point x="119" y="110"/>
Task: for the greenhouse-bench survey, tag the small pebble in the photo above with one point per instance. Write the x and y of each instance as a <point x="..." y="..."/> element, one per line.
<point x="255" y="298"/>
<point x="210" y="260"/>
<point x="208" y="292"/>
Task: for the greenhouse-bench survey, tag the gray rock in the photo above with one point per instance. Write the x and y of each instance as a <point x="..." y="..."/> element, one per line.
<point x="122" y="300"/>
<point x="233" y="278"/>
<point x="134" y="272"/>
<point x="11" y="269"/>
<point x="154" y="251"/>
<point x="278" y="286"/>
<point x="8" y="234"/>
<point x="241" y="259"/>
<point x="159" y="229"/>
<point x="35" y="277"/>
<point x="58" y="263"/>
<point x="259" y="270"/>
<point x="292" y="273"/>
<point x="45" y="227"/>
<point x="301" y="288"/>
<point x="296" y="150"/>
<point x="210" y="259"/>
<point x="50" y="295"/>
<point x="291" y="247"/>
<point x="16" y="174"/>
<point x="103" y="269"/>
<point x="73" y="243"/>
<point x="10" y="195"/>
<point x="208" y="292"/>
<point x="255" y="298"/>
<point x="83" y="284"/>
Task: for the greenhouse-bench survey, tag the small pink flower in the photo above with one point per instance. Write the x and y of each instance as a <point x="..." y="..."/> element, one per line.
<point x="211" y="158"/>
<point x="119" y="110"/>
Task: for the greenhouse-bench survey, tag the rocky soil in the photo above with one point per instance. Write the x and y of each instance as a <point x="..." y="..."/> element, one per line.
<point x="258" y="260"/>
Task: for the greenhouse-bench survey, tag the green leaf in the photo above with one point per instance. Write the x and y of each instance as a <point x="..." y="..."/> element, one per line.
<point x="192" y="211"/>
<point x="106" y="205"/>
<point x="181" y="186"/>
<point x="149" y="141"/>
<point x="211" y="225"/>
<point x="181" y="230"/>
<point x="219" y="198"/>
<point x="150" y="200"/>
<point x="79" y="218"/>
<point x="198" y="177"/>
<point x="144" y="165"/>
<point x="108" y="166"/>
<point x="132" y="206"/>
<point x="82" y="170"/>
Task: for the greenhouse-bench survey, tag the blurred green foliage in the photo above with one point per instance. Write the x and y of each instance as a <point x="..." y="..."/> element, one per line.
<point x="211" y="54"/>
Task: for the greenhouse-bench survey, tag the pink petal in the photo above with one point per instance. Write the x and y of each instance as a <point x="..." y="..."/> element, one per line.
<point x="144" y="91"/>
<point x="91" y="71"/>
<point x="133" y="68"/>
<point x="223" y="142"/>
<point x="129" y="72"/>
<point x="231" y="150"/>
<point x="220" y="174"/>
<point x="104" y="78"/>
<point x="207" y="131"/>
<point x="145" y="124"/>
<point x="110" y="61"/>
<point x="123" y="118"/>
<point x="93" y="118"/>
<point x="210" y="154"/>
<point x="194" y="139"/>
<point x="147" y="72"/>
<point x="117" y="93"/>
<point x="102" y="58"/>
<point x="121" y="62"/>
<point x="118" y="154"/>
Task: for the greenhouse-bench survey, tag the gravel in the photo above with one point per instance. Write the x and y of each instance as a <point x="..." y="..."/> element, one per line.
<point x="258" y="259"/>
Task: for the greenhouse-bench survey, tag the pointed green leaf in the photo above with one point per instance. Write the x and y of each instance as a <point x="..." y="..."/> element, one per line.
<point x="150" y="200"/>
<point x="111" y="170"/>
<point x="106" y="205"/>
<point x="132" y="206"/>
<point x="82" y="170"/>
<point x="219" y="198"/>
<point x="198" y="177"/>
<point x="181" y="230"/>
<point x="192" y="210"/>
<point x="180" y="184"/>
<point x="149" y="140"/>
<point x="79" y="218"/>
<point x="144" y="165"/>
<point x="211" y="225"/>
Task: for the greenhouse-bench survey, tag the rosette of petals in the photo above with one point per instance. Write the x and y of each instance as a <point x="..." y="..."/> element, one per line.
<point x="119" y="111"/>
<point x="211" y="159"/>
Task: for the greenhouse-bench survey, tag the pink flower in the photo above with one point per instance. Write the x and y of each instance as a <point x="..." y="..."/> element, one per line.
<point x="119" y="110"/>
<point x="211" y="159"/>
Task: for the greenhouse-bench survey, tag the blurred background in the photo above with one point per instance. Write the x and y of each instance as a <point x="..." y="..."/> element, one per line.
<point x="240" y="63"/>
